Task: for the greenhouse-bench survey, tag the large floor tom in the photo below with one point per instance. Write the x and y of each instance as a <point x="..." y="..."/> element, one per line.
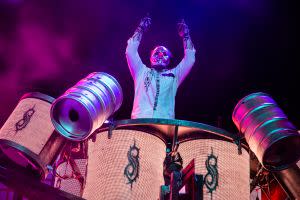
<point x="124" y="165"/>
<point x="126" y="160"/>
<point x="28" y="137"/>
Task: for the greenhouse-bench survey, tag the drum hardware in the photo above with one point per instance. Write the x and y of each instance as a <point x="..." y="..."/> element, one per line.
<point x="263" y="181"/>
<point x="237" y="141"/>
<point x="173" y="161"/>
<point x="289" y="180"/>
<point x="112" y="126"/>
<point x="71" y="152"/>
<point x="109" y="124"/>
<point x="187" y="178"/>
<point x="258" y="178"/>
<point x="175" y="140"/>
<point x="51" y="175"/>
<point x="164" y="191"/>
<point x="286" y="182"/>
<point x="76" y="174"/>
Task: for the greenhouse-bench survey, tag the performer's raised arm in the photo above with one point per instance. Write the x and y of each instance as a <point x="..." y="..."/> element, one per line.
<point x="133" y="59"/>
<point x="188" y="60"/>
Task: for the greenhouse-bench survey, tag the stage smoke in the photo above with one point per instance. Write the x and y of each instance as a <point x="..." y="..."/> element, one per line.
<point x="84" y="107"/>
<point x="274" y="140"/>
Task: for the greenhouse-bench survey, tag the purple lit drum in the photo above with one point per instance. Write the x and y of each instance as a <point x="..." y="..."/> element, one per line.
<point x="84" y="107"/>
<point x="129" y="165"/>
<point x="28" y="138"/>
<point x="270" y="135"/>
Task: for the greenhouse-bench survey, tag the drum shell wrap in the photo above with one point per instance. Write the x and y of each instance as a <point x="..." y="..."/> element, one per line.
<point x="267" y="130"/>
<point x="108" y="158"/>
<point x="35" y="141"/>
<point x="233" y="169"/>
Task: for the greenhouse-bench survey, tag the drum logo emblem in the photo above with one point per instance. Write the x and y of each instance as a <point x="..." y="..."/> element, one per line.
<point x="131" y="171"/>
<point x="22" y="123"/>
<point x="212" y="176"/>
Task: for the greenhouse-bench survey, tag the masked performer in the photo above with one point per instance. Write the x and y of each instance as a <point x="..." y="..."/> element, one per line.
<point x="155" y="87"/>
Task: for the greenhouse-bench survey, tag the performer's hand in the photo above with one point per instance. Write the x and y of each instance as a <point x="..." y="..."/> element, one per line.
<point x="142" y="27"/>
<point x="182" y="28"/>
<point x="145" y="23"/>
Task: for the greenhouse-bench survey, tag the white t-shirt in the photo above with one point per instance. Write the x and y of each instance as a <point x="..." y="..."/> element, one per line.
<point x="155" y="91"/>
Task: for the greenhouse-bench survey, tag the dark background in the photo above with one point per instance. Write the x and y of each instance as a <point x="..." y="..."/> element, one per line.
<point x="243" y="46"/>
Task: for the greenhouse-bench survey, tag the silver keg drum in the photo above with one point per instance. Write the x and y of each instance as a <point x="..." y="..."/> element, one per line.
<point x="84" y="107"/>
<point x="270" y="135"/>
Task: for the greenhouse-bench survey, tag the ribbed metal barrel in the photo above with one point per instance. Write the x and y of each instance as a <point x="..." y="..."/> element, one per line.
<point x="84" y="107"/>
<point x="274" y="140"/>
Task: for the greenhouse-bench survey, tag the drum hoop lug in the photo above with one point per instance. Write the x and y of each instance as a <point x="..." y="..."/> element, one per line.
<point x="237" y="141"/>
<point x="112" y="126"/>
<point x="175" y="143"/>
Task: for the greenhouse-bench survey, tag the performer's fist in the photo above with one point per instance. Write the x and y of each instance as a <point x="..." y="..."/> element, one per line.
<point x="145" y="23"/>
<point x="183" y="29"/>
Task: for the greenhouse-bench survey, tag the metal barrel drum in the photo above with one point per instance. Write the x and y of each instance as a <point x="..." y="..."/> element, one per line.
<point x="129" y="165"/>
<point x="28" y="137"/>
<point x="225" y="172"/>
<point x="270" y="135"/>
<point x="84" y="107"/>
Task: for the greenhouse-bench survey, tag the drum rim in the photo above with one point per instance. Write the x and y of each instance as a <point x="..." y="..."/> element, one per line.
<point x="175" y="122"/>
<point x="60" y="129"/>
<point x="34" y="158"/>
<point x="38" y="95"/>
